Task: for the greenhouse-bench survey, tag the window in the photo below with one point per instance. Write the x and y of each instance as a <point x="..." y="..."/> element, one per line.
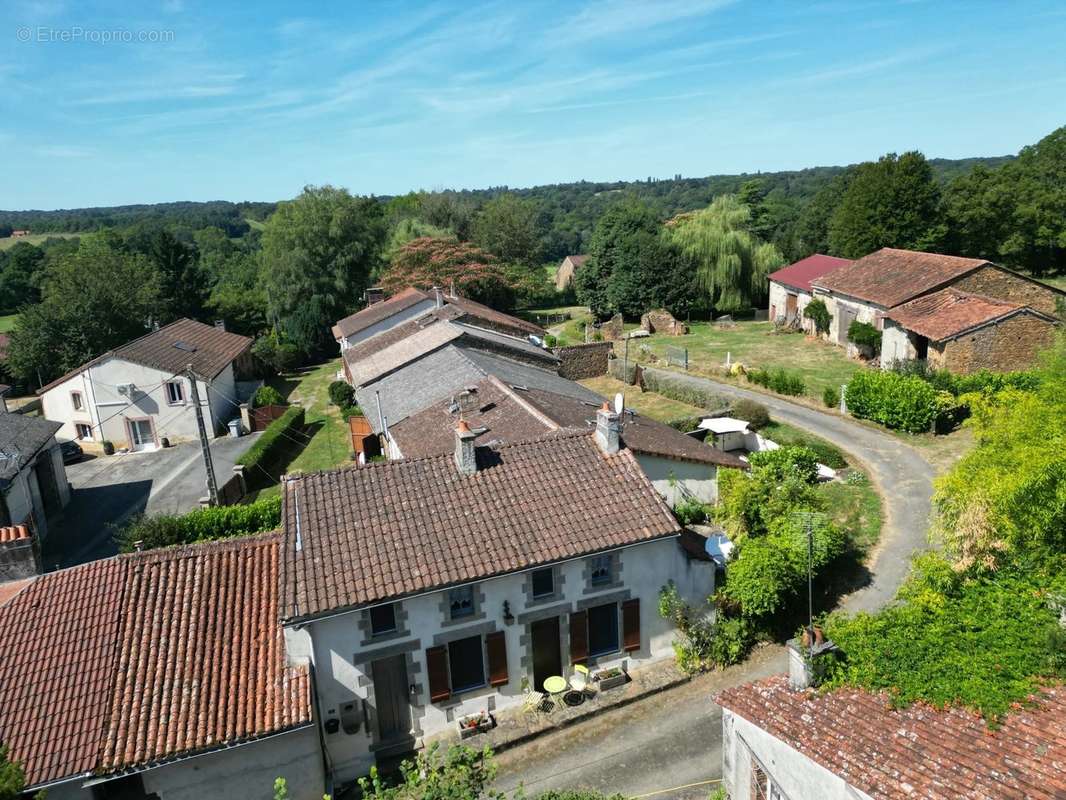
<point x="762" y="785"/>
<point x="382" y="620"/>
<point x="175" y="393"/>
<point x="83" y="431"/>
<point x="543" y="582"/>
<point x="76" y="401"/>
<point x="466" y="664"/>
<point x="603" y="629"/>
<point x="461" y="602"/>
<point x="600" y="570"/>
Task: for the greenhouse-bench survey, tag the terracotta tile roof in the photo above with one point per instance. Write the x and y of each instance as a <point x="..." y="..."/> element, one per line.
<point x="478" y="311"/>
<point x="950" y="312"/>
<point x="388" y="530"/>
<point x="12" y="588"/>
<point x="916" y="751"/>
<point x="371" y="315"/>
<point x="128" y="662"/>
<point x="799" y="275"/>
<point x="172" y="348"/>
<point x="889" y="277"/>
<point x="12" y="533"/>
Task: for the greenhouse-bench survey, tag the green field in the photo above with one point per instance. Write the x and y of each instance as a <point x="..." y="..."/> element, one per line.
<point x="755" y="345"/>
<point x="8" y="242"/>
<point x="7" y="323"/>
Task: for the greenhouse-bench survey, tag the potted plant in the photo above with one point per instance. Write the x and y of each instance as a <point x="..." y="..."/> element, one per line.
<point x="610" y="678"/>
<point x="473" y="724"/>
<point x="109" y="448"/>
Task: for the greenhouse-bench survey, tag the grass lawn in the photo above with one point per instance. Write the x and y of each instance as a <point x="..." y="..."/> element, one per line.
<point x="329" y="445"/>
<point x="754" y="344"/>
<point x="649" y="404"/>
<point x="856" y="508"/>
<point x="7" y="242"/>
<point x="7" y="323"/>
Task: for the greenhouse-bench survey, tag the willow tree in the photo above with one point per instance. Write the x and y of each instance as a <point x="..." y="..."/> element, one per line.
<point x="732" y="263"/>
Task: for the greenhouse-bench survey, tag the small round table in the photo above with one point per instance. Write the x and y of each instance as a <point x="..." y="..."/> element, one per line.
<point x="555" y="686"/>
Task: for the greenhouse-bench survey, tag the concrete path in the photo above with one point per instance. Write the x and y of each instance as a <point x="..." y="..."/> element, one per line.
<point x="111" y="489"/>
<point x="668" y="746"/>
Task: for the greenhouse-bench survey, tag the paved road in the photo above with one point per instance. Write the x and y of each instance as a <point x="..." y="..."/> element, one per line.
<point x="674" y="739"/>
<point x="110" y="489"/>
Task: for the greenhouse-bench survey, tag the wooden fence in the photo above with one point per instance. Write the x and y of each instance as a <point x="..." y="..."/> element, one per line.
<point x="264" y="415"/>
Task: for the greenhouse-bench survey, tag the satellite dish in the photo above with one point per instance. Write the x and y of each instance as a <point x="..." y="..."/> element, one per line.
<point x="618" y="403"/>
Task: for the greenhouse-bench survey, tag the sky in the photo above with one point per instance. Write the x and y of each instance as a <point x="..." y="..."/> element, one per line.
<point x="113" y="103"/>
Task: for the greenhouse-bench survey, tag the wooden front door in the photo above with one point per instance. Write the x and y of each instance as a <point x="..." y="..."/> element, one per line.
<point x="547" y="656"/>
<point x="845" y="316"/>
<point x="391" y="698"/>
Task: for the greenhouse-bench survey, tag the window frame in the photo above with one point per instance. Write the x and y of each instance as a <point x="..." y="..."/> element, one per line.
<point x="180" y="386"/>
<point x="467" y="641"/>
<point x="469" y="610"/>
<point x="601" y="561"/>
<point x="613" y="616"/>
<point x="533" y="593"/>
<point x="77" y="432"/>
<point x="375" y="632"/>
<point x="77" y="400"/>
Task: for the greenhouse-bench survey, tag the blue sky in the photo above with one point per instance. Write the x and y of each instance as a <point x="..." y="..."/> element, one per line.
<point x="253" y="101"/>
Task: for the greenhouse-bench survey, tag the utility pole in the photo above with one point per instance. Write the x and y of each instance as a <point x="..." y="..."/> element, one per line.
<point x="625" y="372"/>
<point x="212" y="485"/>
<point x="808" y="518"/>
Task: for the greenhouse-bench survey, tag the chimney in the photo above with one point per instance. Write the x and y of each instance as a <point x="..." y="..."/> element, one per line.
<point x="438" y="295"/>
<point x="465" y="454"/>
<point x="220" y="324"/>
<point x="18" y="554"/>
<point x="608" y="430"/>
<point x="805" y="666"/>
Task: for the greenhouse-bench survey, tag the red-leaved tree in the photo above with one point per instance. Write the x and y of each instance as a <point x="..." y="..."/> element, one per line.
<point x="427" y="262"/>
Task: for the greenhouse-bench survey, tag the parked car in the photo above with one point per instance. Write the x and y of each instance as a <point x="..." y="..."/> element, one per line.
<point x="71" y="452"/>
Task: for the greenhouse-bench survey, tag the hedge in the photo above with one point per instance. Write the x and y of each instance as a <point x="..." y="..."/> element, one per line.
<point x="900" y="402"/>
<point x="220" y="522"/>
<point x="279" y="434"/>
<point x="778" y="380"/>
<point x="684" y="389"/>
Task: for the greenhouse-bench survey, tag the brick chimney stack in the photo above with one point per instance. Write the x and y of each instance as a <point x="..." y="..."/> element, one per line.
<point x="465" y="454"/>
<point x="18" y="554"/>
<point x="608" y="430"/>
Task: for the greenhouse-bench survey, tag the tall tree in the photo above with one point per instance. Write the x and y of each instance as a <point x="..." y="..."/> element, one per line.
<point x="183" y="289"/>
<point x="892" y="202"/>
<point x="731" y="263"/>
<point x="510" y="228"/>
<point x="448" y="263"/>
<point x="96" y="298"/>
<point x="319" y="251"/>
<point x="19" y="276"/>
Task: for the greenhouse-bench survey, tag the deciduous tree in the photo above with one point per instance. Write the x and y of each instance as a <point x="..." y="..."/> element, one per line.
<point x="510" y="228"/>
<point x="427" y="262"/>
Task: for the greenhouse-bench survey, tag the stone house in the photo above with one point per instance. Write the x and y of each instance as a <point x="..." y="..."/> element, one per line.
<point x="790" y="287"/>
<point x="459" y="581"/>
<point x="158" y="676"/>
<point x="785" y="743"/>
<point x="33" y="479"/>
<point x="564" y="276"/>
<point x="876" y="287"/>
<point x="139" y="393"/>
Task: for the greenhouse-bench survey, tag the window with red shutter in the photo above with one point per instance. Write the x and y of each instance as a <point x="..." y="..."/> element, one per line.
<point x="631" y="625"/>
<point x="496" y="648"/>
<point x="437" y="669"/>
<point x="579" y="637"/>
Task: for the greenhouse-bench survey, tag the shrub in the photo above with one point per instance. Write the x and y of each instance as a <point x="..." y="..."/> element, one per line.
<point x="817" y="312"/>
<point x="267" y="396"/>
<point x="275" y="439"/>
<point x="347" y="412"/>
<point x="550" y="340"/>
<point x="897" y="401"/>
<point x="690" y="512"/>
<point x="826" y="453"/>
<point x="341" y="393"/>
<point x="683" y="388"/>
<point x="831" y="396"/>
<point x="221" y="522"/>
<point x="864" y="334"/>
<point x="685" y="424"/>
<point x="778" y="380"/>
<point x="279" y="356"/>
<point x="790" y="461"/>
<point x="755" y="414"/>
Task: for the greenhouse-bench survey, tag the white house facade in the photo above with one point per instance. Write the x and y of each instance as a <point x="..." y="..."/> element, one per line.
<point x="139" y="394"/>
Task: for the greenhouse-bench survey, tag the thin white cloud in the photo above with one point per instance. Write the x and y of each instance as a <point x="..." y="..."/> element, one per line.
<point x="613" y="18"/>
<point x="867" y="67"/>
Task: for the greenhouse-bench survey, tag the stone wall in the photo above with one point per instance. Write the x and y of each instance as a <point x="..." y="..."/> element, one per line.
<point x="1009" y="345"/>
<point x="611" y="330"/>
<point x="581" y="361"/>
<point x="662" y="321"/>
<point x="1003" y="285"/>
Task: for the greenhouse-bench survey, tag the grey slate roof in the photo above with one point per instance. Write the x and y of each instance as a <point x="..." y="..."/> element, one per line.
<point x="521" y="375"/>
<point x="25" y="436"/>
